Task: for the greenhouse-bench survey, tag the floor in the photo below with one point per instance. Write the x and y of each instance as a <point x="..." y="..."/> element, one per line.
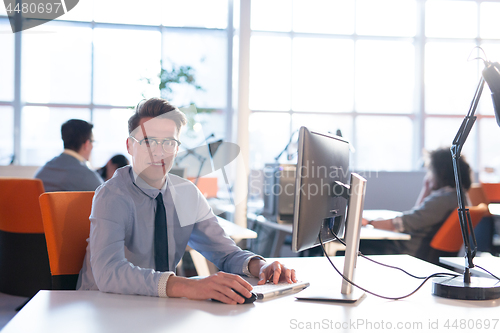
<point x="8" y="305"/>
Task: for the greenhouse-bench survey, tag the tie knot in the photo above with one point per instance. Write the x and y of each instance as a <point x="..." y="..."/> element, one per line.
<point x="159" y="198"/>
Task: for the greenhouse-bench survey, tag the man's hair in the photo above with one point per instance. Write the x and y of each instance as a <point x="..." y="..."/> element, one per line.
<point x="75" y="133"/>
<point x="156" y="107"/>
<point x="441" y="166"/>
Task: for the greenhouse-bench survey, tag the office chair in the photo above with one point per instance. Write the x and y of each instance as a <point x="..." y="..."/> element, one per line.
<point x="24" y="263"/>
<point x="67" y="227"/>
<point x="448" y="239"/>
<point x="492" y="191"/>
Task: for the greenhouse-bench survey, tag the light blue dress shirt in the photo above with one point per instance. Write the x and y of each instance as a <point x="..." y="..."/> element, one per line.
<point x="120" y="251"/>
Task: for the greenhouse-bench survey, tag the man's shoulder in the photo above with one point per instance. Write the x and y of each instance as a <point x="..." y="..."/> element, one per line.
<point x="182" y="185"/>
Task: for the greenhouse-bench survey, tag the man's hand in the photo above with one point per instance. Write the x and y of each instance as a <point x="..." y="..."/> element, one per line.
<point x="219" y="286"/>
<point x="276" y="272"/>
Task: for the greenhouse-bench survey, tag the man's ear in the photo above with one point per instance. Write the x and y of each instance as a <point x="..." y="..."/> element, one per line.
<point x="129" y="146"/>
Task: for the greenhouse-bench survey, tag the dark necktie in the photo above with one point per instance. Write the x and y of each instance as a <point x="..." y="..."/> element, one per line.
<point x="161" y="240"/>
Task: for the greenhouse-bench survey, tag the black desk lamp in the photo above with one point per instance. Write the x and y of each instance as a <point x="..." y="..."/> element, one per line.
<point x="467" y="287"/>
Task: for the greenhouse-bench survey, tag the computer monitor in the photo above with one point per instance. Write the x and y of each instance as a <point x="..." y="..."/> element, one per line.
<point x="324" y="202"/>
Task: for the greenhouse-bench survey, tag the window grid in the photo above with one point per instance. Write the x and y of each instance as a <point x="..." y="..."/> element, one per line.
<point x="18" y="104"/>
<point x="419" y="116"/>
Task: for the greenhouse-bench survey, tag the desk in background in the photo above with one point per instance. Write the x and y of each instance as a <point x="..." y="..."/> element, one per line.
<point x="92" y="311"/>
<point x="367" y="233"/>
<point x="491" y="264"/>
<point x="203" y="266"/>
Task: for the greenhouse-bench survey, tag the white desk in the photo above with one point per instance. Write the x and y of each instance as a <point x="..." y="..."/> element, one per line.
<point x="77" y="311"/>
<point x="491" y="264"/>
<point x="368" y="233"/>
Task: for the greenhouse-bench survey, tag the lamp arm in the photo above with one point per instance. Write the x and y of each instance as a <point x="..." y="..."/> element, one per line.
<point x="463" y="213"/>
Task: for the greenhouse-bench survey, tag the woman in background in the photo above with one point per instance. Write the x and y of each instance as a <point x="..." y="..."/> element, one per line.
<point x="437" y="200"/>
<point x="114" y="163"/>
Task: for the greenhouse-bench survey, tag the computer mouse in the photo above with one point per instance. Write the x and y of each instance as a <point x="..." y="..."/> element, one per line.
<point x="248" y="300"/>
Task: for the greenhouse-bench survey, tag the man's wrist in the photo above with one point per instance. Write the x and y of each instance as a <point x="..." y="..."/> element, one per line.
<point x="163" y="282"/>
<point x="255" y="265"/>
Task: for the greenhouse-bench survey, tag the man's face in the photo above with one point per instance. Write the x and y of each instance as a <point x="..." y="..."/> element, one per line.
<point x="152" y="165"/>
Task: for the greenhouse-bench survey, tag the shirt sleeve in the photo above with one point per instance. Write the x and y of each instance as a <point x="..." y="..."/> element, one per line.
<point x="112" y="272"/>
<point x="428" y="216"/>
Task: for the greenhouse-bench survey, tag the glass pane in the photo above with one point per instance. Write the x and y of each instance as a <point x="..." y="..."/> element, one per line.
<point x="57" y="65"/>
<point x="384" y="76"/>
<point x="323" y="16"/>
<point x="386" y="17"/>
<point x="81" y="12"/>
<point x="205" y="128"/>
<point x="269" y="134"/>
<point x="110" y="140"/>
<point x="322" y="79"/>
<point x="270" y="77"/>
<point x="206" y="53"/>
<point x="324" y="123"/>
<point x="450" y="80"/>
<point x="41" y="132"/>
<point x="123" y="59"/>
<point x="451" y="19"/>
<point x="128" y="11"/>
<point x="273" y="15"/>
<point x="195" y="13"/>
<point x="384" y="147"/>
<point x="3" y="11"/>
<point x="440" y="132"/>
<point x="492" y="51"/>
<point x="6" y="61"/>
<point x="489" y="22"/>
<point x="6" y="134"/>
<point x="489" y="141"/>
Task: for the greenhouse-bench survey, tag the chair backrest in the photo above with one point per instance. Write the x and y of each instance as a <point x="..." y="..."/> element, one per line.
<point x="449" y="236"/>
<point x="19" y="208"/>
<point x="492" y="191"/>
<point x="24" y="263"/>
<point x="67" y="227"/>
<point x="477" y="195"/>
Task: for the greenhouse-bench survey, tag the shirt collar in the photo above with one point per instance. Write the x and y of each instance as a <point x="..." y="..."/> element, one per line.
<point x="75" y="155"/>
<point x="145" y="186"/>
<point x="79" y="157"/>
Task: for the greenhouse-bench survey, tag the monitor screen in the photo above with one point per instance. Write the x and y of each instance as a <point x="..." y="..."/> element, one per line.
<point x="323" y="160"/>
<point x="324" y="192"/>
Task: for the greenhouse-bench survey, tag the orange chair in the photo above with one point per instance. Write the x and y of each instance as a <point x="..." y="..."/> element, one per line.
<point x="448" y="240"/>
<point x="24" y="264"/>
<point x="492" y="191"/>
<point x="67" y="227"/>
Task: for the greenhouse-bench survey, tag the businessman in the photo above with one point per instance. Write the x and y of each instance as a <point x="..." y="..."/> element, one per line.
<point x="143" y="218"/>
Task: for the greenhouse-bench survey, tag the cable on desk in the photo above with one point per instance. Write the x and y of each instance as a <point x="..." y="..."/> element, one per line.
<point x="496" y="277"/>
<point x="377" y="262"/>
<point x="372" y="293"/>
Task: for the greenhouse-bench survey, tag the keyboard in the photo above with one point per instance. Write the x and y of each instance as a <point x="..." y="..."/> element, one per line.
<point x="269" y="290"/>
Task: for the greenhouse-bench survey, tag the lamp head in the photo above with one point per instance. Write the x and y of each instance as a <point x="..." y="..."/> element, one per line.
<point x="491" y="74"/>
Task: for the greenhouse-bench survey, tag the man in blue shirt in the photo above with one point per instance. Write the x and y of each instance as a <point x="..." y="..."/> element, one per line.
<point x="121" y="254"/>
<point x="70" y="171"/>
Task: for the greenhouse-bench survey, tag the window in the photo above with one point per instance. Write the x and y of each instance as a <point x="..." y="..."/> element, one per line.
<point x="93" y="63"/>
<point x="393" y="75"/>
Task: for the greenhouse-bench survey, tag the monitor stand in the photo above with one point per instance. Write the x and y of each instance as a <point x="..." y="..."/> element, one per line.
<point x="332" y="296"/>
<point x="348" y="293"/>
